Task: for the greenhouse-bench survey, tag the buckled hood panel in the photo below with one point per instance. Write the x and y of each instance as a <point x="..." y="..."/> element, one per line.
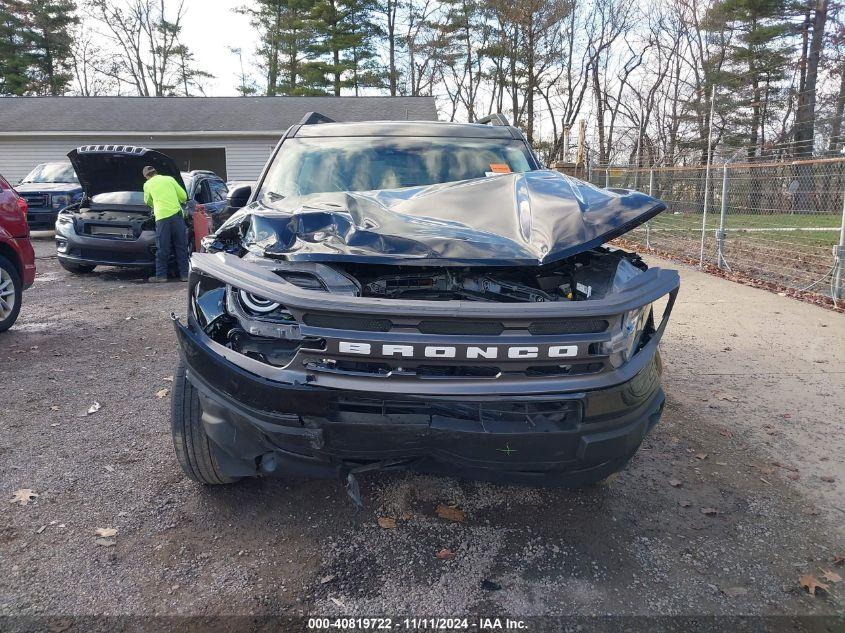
<point x="532" y="219"/>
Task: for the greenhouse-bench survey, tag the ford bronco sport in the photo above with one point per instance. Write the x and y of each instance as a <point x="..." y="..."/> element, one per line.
<point x="419" y="295"/>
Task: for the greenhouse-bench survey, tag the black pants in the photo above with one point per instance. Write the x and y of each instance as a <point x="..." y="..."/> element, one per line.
<point x="171" y="238"/>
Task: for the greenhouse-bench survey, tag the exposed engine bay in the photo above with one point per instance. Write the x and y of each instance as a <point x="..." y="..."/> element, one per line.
<point x="264" y="329"/>
<point x="589" y="275"/>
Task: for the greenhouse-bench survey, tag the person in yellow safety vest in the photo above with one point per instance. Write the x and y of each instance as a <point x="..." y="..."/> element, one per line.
<point x="166" y="197"/>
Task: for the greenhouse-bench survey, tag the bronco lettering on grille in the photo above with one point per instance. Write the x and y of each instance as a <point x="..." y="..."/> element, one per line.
<point x="467" y="352"/>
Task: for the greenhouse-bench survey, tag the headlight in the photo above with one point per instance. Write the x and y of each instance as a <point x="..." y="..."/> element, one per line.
<point x="624" y="343"/>
<point x="246" y="305"/>
<point x="258" y="305"/>
<point x="60" y="201"/>
<point x="64" y="224"/>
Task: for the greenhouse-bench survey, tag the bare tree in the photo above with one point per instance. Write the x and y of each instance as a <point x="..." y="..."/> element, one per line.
<point x="93" y="69"/>
<point x="148" y="53"/>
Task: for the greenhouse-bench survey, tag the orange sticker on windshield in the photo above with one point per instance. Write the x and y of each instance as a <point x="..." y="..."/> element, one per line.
<point x="500" y="168"/>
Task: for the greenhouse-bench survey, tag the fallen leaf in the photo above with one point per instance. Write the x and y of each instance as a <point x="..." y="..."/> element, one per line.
<point x="811" y="583"/>
<point x="161" y="393"/>
<point x="338" y="602"/>
<point x="831" y="576"/>
<point x="793" y="475"/>
<point x="23" y="496"/>
<point x="168" y="379"/>
<point x="701" y="455"/>
<point x="104" y="542"/>
<point x="685" y="503"/>
<point x="709" y="511"/>
<point x="838" y="560"/>
<point x="54" y="408"/>
<point x="766" y="470"/>
<point x="726" y="396"/>
<point x="828" y="478"/>
<point x="59" y="626"/>
<point x="726" y="432"/>
<point x="445" y="554"/>
<point x="675" y="483"/>
<point x="387" y="523"/>
<point x="326" y="579"/>
<point x="733" y="592"/>
<point x="450" y="513"/>
<point x="406" y="516"/>
<point x="105" y="532"/>
<point x="93" y="408"/>
<point x="810" y="512"/>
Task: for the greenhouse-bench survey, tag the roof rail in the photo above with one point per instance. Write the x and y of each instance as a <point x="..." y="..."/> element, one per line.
<point x="494" y="119"/>
<point x="313" y="118"/>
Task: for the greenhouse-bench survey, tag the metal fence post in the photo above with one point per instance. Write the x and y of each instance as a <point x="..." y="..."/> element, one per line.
<point x="606" y="178"/>
<point x="721" y="262"/>
<point x="648" y="224"/>
<point x="707" y="174"/>
<point x="839" y="259"/>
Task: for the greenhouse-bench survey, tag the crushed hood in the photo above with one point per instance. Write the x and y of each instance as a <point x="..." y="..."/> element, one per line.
<point x="106" y="168"/>
<point x="532" y="218"/>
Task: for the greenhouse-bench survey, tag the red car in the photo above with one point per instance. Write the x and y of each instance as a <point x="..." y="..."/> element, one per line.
<point x="17" y="259"/>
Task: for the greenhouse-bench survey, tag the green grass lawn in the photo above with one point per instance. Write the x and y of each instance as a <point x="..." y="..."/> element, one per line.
<point x="683" y="222"/>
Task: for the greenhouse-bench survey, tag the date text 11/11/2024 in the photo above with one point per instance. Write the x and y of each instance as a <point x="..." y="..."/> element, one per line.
<point x="416" y="624"/>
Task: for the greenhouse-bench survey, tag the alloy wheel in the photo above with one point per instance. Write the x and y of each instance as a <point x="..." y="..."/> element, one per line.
<point x="7" y="294"/>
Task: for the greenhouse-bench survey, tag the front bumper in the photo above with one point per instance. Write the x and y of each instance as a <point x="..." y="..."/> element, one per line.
<point x="23" y="246"/>
<point x="566" y="436"/>
<point x="104" y="251"/>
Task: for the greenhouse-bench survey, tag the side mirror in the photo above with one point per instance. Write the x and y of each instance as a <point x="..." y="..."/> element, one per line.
<point x="239" y="196"/>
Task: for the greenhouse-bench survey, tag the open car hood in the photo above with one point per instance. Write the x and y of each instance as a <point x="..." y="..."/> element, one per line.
<point x="532" y="219"/>
<point x="105" y="168"/>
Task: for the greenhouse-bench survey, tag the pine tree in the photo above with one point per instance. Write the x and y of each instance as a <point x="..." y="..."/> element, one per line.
<point x="15" y="56"/>
<point x="345" y="45"/>
<point x="285" y="49"/>
<point x="756" y="60"/>
<point x="51" y="25"/>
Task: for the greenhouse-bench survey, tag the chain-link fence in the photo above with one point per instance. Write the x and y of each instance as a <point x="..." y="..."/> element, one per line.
<point x="780" y="223"/>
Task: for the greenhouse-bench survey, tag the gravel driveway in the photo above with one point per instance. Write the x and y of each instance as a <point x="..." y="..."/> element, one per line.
<point x="735" y="495"/>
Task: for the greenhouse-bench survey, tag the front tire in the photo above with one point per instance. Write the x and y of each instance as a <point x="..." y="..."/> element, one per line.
<point x="11" y="294"/>
<point x="77" y="269"/>
<point x="192" y="445"/>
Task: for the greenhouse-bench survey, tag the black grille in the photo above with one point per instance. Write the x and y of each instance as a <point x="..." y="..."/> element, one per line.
<point x="111" y="256"/>
<point x="552" y="415"/>
<point x="36" y="200"/>
<point x="457" y="371"/>
<point x="461" y="327"/>
<point x="568" y="326"/>
<point x="575" y="369"/>
<point x="110" y="231"/>
<point x="347" y="323"/>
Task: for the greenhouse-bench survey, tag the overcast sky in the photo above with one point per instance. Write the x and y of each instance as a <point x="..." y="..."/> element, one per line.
<point x="211" y="28"/>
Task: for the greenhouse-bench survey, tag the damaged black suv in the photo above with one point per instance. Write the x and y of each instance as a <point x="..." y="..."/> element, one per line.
<point x="419" y="295"/>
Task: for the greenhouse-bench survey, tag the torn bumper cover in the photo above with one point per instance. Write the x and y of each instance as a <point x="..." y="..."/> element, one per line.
<point x="554" y="393"/>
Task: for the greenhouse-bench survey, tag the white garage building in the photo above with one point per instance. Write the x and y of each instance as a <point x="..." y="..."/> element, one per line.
<point x="232" y="136"/>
